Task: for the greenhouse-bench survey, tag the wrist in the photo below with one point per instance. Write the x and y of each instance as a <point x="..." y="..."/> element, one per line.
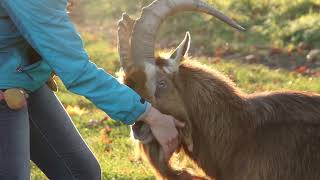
<point x="149" y="116"/>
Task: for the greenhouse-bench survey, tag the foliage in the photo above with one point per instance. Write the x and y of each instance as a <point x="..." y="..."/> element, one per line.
<point x="269" y="22"/>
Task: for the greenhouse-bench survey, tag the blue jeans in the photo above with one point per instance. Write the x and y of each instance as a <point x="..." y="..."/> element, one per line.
<point x="44" y="133"/>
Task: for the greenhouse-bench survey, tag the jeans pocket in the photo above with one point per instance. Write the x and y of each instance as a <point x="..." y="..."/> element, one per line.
<point x="3" y="104"/>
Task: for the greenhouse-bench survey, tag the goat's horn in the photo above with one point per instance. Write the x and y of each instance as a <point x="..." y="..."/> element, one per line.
<point x="145" y="28"/>
<point x="125" y="26"/>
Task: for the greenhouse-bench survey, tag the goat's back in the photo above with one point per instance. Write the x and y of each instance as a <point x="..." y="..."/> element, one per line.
<point x="285" y="107"/>
<point x="285" y="142"/>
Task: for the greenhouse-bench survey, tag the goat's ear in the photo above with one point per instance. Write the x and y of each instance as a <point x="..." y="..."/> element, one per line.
<point x="182" y="49"/>
<point x="178" y="54"/>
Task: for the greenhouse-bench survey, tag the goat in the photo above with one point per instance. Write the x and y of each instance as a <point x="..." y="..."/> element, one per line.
<point x="229" y="134"/>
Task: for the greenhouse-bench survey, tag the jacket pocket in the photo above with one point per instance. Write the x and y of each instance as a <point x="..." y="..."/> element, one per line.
<point x="39" y="71"/>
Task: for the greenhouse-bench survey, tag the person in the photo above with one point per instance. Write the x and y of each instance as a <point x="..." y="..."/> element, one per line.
<point x="42" y="131"/>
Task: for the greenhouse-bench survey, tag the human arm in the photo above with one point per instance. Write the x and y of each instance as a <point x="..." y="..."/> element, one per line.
<point x="46" y="26"/>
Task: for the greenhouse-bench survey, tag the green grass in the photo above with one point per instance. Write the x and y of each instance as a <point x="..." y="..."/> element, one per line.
<point x="117" y="159"/>
<point x="257" y="78"/>
<point x="281" y="23"/>
<point x="269" y="23"/>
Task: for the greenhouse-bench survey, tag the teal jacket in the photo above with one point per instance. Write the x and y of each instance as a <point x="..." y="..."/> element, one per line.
<point x="45" y="26"/>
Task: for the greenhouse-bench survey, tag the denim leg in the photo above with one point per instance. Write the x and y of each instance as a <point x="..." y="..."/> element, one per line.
<point x="14" y="143"/>
<point x="56" y="146"/>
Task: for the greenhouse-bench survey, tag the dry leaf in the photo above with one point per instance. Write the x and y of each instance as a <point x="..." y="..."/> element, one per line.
<point x="76" y="110"/>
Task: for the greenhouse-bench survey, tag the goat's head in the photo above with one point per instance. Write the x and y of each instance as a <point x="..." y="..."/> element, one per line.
<point x="154" y="78"/>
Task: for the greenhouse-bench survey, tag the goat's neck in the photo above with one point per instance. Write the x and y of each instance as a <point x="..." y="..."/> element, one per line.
<point x="217" y="110"/>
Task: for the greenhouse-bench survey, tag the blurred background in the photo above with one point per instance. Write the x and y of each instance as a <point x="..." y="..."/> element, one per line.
<point x="279" y="50"/>
<point x="275" y="27"/>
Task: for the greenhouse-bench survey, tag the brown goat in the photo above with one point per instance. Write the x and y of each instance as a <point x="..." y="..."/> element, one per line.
<point x="230" y="135"/>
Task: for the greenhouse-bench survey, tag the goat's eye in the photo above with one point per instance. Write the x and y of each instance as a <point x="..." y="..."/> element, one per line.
<point x="162" y="84"/>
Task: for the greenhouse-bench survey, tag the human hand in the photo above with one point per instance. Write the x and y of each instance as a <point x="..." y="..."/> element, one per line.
<point x="163" y="128"/>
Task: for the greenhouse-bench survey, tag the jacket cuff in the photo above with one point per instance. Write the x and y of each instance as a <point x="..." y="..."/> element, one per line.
<point x="140" y="116"/>
<point x="143" y="115"/>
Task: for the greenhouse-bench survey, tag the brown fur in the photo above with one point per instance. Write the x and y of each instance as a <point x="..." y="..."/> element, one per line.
<point x="267" y="136"/>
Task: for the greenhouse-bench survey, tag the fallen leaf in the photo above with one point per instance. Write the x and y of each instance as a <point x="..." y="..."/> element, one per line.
<point x="104" y="135"/>
<point x="76" y="110"/>
<point x="301" y="69"/>
<point x="274" y="51"/>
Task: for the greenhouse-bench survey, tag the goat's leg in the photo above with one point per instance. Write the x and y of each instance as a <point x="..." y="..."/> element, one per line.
<point x="155" y="155"/>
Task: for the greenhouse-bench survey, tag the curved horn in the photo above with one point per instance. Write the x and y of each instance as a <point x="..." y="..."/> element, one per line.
<point x="125" y="26"/>
<point x="146" y="27"/>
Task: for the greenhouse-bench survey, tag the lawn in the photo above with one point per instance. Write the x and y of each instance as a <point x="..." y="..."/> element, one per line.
<point x="110" y="140"/>
<point x="117" y="157"/>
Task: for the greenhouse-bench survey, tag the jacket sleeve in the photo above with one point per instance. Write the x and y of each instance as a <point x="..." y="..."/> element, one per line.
<point x="45" y="24"/>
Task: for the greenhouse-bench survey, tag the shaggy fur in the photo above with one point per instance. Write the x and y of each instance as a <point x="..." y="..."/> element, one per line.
<point x="235" y="136"/>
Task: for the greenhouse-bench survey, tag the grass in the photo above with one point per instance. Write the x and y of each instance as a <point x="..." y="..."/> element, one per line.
<point x="117" y="158"/>
<point x="269" y="23"/>
<point x="281" y="23"/>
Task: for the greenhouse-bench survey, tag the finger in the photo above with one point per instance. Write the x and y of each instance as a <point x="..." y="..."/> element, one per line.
<point x="172" y="146"/>
<point x="175" y="143"/>
<point x="179" y="124"/>
<point x="166" y="153"/>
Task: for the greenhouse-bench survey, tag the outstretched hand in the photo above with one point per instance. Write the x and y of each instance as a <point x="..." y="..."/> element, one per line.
<point x="164" y="129"/>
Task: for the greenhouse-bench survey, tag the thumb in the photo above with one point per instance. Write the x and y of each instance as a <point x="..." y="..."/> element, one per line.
<point x="178" y="123"/>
